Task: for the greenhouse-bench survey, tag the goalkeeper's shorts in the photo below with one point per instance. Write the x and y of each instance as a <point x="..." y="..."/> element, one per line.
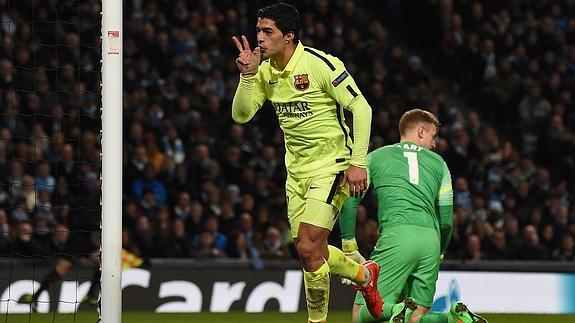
<point x="409" y="258"/>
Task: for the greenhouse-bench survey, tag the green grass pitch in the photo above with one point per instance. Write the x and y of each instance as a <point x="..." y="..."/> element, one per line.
<point x="238" y="317"/>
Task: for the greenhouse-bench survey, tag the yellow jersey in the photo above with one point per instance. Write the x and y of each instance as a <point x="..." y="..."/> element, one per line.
<point x="309" y="96"/>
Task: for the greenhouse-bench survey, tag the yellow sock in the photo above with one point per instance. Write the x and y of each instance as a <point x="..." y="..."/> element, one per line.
<point x="344" y="267"/>
<point x="317" y="293"/>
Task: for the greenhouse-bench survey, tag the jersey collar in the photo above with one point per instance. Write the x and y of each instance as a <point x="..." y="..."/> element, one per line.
<point x="297" y="54"/>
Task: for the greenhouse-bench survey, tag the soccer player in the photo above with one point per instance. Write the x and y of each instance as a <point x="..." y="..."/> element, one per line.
<point x="309" y="90"/>
<point x="415" y="199"/>
<point x="83" y="242"/>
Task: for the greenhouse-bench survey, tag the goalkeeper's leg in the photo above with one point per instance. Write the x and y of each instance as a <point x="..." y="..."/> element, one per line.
<point x="92" y="296"/>
<point x="62" y="267"/>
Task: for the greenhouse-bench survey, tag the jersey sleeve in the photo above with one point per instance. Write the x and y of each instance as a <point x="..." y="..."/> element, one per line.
<point x="337" y="82"/>
<point x="445" y="206"/>
<point x="249" y="98"/>
<point x="340" y="85"/>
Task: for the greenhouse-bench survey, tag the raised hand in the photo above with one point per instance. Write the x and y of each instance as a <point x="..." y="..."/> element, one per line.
<point x="247" y="61"/>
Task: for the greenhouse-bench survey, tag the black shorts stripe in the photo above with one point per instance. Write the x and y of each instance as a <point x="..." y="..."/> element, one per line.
<point x="350" y="89"/>
<point x="334" y="186"/>
<point x="320" y="57"/>
<point x="340" y="120"/>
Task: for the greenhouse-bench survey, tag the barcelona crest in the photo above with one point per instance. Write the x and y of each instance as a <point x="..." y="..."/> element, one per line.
<point x="301" y="82"/>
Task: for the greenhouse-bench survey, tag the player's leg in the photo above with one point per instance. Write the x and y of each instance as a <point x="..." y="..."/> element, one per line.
<point x="311" y="221"/>
<point x="397" y="259"/>
<point x="92" y="296"/>
<point x="317" y="280"/>
<point x="421" y="284"/>
<point x="61" y="268"/>
<point x="324" y="199"/>
<point x="312" y="250"/>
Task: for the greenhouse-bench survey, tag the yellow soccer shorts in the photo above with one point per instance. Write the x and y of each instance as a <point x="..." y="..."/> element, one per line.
<point x="303" y="195"/>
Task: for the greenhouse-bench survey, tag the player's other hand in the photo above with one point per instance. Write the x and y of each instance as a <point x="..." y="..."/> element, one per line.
<point x="356" y="177"/>
<point x="247" y="61"/>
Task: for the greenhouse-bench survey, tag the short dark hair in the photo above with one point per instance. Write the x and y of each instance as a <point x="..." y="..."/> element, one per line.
<point x="415" y="116"/>
<point x="285" y="16"/>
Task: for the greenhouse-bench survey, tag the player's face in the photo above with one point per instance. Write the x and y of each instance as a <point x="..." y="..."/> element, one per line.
<point x="270" y="39"/>
<point x="428" y="135"/>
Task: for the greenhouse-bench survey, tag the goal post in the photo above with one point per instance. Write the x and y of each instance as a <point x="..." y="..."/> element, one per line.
<point x="111" y="279"/>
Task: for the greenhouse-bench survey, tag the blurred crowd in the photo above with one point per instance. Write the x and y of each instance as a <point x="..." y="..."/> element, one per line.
<point x="197" y="185"/>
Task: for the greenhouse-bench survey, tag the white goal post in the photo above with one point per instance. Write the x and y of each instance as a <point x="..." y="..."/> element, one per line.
<point x="111" y="265"/>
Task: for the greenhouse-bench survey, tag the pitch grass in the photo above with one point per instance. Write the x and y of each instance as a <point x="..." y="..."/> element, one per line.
<point x="238" y="317"/>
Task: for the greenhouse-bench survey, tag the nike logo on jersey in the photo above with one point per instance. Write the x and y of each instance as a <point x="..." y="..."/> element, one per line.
<point x="272" y="82"/>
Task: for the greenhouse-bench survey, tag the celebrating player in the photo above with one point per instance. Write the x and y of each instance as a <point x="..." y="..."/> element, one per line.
<point x="309" y="90"/>
<point x="415" y="198"/>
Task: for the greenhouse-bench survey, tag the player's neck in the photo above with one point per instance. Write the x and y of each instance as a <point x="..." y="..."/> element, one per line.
<point x="281" y="60"/>
<point x="410" y="139"/>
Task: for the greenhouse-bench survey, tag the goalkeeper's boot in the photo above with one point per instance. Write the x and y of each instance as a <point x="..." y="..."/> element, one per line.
<point x="372" y="297"/>
<point x="90" y="300"/>
<point x="459" y="313"/>
<point x="29" y="299"/>
<point x="401" y="312"/>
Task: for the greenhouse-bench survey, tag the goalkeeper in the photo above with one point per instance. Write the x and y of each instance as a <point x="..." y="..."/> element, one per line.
<point x="415" y="198"/>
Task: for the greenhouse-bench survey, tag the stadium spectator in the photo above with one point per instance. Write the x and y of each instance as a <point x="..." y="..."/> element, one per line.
<point x="205" y="247"/>
<point x="211" y="226"/>
<point x="567" y="250"/>
<point x="503" y="64"/>
<point x="272" y="247"/>
<point x="498" y="249"/>
<point x="24" y="244"/>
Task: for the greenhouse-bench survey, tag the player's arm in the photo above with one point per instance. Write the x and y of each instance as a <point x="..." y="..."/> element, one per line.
<point x="249" y="98"/>
<point x="445" y="206"/>
<point x="340" y="85"/>
<point x="250" y="94"/>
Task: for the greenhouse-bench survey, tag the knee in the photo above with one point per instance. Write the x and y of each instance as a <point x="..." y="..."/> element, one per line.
<point x="307" y="249"/>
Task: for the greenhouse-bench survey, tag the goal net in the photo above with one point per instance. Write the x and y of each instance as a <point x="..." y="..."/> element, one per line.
<point x="51" y="156"/>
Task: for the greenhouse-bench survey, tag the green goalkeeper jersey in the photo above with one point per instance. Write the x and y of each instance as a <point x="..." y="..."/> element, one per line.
<point x="412" y="185"/>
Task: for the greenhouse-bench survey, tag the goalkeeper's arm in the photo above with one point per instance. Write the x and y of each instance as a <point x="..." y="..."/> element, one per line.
<point x="347" y="224"/>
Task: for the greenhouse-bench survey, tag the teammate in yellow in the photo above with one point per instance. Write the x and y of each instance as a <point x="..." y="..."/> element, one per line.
<point x="309" y="90"/>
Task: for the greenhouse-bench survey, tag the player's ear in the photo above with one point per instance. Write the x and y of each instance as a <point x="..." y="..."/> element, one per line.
<point x="420" y="131"/>
<point x="288" y="37"/>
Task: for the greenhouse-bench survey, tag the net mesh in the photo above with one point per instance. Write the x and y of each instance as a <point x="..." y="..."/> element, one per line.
<point x="49" y="155"/>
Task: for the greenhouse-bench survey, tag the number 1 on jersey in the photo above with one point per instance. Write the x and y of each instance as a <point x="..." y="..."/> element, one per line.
<point x="413" y="166"/>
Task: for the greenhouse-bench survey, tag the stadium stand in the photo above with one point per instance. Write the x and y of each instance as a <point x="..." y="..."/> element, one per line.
<point x="198" y="185"/>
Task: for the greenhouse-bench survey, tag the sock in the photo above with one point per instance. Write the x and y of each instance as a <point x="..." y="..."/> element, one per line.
<point x="342" y="266"/>
<point x="363" y="316"/>
<point x="434" y="317"/>
<point x="47" y="282"/>
<point x="94" y="284"/>
<point x="317" y="293"/>
<point x="388" y="309"/>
